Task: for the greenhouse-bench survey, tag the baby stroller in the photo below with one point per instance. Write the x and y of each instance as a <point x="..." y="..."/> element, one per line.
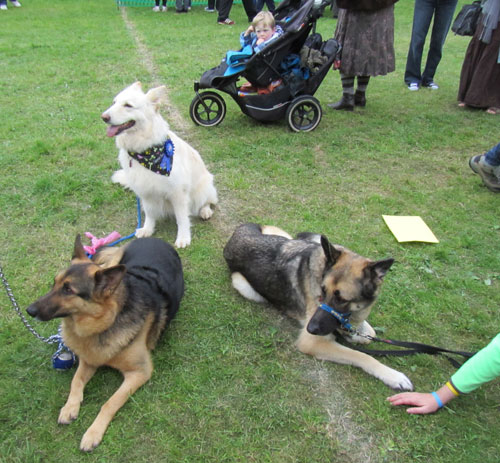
<point x="283" y="76"/>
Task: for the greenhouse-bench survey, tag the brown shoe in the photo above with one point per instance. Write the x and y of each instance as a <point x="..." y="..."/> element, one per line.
<point x="489" y="174"/>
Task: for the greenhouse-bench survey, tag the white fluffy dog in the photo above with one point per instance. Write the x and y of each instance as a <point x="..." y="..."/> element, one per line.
<point x="164" y="171"/>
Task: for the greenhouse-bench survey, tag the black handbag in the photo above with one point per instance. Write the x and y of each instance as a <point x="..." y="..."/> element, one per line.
<point x="466" y="21"/>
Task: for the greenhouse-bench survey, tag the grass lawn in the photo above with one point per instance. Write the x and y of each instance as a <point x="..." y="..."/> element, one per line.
<point x="228" y="384"/>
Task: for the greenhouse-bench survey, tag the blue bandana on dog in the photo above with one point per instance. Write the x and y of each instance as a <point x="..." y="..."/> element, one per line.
<point x="158" y="158"/>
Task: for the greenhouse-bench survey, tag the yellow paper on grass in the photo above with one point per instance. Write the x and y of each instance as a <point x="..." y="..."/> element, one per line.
<point x="409" y="228"/>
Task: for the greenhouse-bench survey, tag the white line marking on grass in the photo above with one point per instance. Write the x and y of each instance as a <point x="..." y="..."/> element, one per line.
<point x="148" y="62"/>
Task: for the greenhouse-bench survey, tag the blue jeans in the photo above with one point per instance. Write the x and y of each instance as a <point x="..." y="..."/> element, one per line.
<point x="492" y="157"/>
<point x="442" y="10"/>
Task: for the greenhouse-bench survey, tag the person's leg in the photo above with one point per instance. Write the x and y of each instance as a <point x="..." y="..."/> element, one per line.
<point x="270" y="5"/>
<point x="422" y="16"/>
<point x="224" y="7"/>
<point x="360" y="95"/>
<point x="259" y="4"/>
<point x="488" y="167"/>
<point x="347" y="101"/>
<point x="157" y="5"/>
<point x="492" y="157"/>
<point x="443" y="18"/>
<point x="250" y="9"/>
<point x="211" y="6"/>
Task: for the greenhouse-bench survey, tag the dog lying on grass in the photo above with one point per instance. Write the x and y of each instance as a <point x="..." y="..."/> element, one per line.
<point x="114" y="309"/>
<point x="164" y="171"/>
<point x="297" y="275"/>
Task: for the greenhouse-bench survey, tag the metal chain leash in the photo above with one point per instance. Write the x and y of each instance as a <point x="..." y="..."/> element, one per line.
<point x="50" y="340"/>
<point x="63" y="358"/>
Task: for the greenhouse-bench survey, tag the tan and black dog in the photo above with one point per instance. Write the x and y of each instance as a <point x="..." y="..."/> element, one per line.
<point x="114" y="308"/>
<point x="297" y="275"/>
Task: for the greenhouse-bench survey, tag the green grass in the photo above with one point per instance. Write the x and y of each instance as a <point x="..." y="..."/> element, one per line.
<point x="228" y="384"/>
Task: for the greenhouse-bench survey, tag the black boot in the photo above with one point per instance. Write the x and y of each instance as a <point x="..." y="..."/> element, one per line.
<point x="346" y="103"/>
<point x="360" y="99"/>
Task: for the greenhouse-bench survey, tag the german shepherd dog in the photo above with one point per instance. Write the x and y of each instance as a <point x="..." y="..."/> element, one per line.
<point x="115" y="308"/>
<point x="297" y="275"/>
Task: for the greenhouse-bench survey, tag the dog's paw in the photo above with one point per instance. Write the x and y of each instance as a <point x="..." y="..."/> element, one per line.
<point x="68" y="414"/>
<point x="182" y="242"/>
<point x="397" y="380"/>
<point x="143" y="232"/>
<point x="206" y="212"/>
<point x="91" y="439"/>
<point x="365" y="332"/>
<point x="119" y="177"/>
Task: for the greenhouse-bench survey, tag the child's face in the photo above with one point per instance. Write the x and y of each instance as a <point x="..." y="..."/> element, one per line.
<point x="263" y="32"/>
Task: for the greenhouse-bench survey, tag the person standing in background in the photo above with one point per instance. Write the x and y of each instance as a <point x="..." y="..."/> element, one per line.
<point x="365" y="29"/>
<point x="425" y="10"/>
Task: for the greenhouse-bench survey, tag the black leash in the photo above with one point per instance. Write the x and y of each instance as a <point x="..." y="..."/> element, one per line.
<point x="412" y="348"/>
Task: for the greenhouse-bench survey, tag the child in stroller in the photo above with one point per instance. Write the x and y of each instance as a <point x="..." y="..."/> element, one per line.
<point x="282" y="67"/>
<point x="259" y="34"/>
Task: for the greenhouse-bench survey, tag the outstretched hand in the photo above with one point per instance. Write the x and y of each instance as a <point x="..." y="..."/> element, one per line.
<point x="424" y="402"/>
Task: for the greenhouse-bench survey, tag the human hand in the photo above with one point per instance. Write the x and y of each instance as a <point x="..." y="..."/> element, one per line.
<point x="424" y="403"/>
<point x="249" y="30"/>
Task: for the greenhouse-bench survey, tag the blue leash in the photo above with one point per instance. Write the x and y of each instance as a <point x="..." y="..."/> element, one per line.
<point x="138" y="225"/>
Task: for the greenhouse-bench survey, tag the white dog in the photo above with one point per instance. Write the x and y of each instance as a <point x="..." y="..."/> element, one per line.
<point x="164" y="171"/>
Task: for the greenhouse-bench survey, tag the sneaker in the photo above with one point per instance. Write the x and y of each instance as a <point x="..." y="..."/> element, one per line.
<point x="16" y="4"/>
<point x="209" y="10"/>
<point x="489" y="174"/>
<point x="3" y="7"/>
<point x="227" y="22"/>
<point x="413" y="87"/>
<point x="156" y="9"/>
<point x="474" y="163"/>
<point x="432" y="85"/>
<point x="163" y="8"/>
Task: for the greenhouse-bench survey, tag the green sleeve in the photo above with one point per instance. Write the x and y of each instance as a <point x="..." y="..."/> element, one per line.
<point x="479" y="369"/>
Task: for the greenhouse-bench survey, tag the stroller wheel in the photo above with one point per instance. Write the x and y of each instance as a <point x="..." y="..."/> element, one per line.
<point x="207" y="109"/>
<point x="304" y="114"/>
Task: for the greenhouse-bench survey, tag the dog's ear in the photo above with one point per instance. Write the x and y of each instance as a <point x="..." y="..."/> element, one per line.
<point x="78" y="251"/>
<point x="107" y="280"/>
<point x="157" y="95"/>
<point x="331" y="253"/>
<point x="380" y="268"/>
<point x="137" y="84"/>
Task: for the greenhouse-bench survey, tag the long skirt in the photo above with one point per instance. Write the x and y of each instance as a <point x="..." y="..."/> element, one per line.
<point x="480" y="76"/>
<point x="367" y="39"/>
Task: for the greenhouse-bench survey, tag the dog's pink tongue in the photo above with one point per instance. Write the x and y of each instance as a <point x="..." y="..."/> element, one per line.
<point x="112" y="130"/>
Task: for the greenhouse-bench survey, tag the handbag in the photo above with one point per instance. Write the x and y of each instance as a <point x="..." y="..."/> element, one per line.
<point x="466" y="21"/>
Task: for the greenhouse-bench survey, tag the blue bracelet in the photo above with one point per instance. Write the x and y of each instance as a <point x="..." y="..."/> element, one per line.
<point x="438" y="400"/>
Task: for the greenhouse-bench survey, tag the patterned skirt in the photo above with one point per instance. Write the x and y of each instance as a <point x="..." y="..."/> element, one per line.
<point x="367" y="38"/>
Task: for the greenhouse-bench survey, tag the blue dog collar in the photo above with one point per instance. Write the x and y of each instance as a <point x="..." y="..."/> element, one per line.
<point x="342" y="318"/>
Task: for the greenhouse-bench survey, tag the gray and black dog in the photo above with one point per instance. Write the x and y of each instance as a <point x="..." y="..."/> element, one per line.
<point x="298" y="275"/>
